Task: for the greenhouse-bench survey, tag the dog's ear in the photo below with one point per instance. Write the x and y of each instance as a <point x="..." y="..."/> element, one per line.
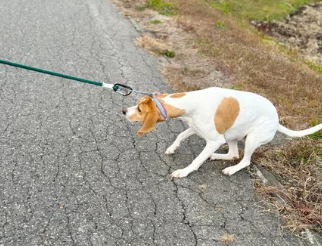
<point x="145" y="100"/>
<point x="149" y="122"/>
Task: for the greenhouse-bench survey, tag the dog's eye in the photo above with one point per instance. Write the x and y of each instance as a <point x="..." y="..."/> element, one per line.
<point x="139" y="110"/>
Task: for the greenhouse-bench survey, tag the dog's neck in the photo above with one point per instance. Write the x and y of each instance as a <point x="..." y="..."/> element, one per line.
<point x="173" y="104"/>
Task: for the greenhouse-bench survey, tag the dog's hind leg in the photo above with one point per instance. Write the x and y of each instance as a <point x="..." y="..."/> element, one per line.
<point x="232" y="152"/>
<point x="255" y="138"/>
<point x="183" y="135"/>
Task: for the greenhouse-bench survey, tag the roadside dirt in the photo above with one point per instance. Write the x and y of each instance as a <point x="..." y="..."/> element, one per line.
<point x="188" y="69"/>
<point x="301" y="31"/>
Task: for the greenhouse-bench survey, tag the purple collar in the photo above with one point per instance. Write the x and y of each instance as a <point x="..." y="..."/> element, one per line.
<point x="160" y="107"/>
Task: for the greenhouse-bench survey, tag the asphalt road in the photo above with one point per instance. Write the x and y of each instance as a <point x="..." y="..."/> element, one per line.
<point x="72" y="170"/>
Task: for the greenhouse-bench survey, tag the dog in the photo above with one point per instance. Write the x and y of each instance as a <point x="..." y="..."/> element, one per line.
<point x="219" y="116"/>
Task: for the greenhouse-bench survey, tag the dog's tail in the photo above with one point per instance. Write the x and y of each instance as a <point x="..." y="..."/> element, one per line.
<point x="302" y="133"/>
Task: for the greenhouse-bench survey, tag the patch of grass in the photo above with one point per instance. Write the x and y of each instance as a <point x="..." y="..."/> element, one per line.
<point x="168" y="53"/>
<point x="258" y="10"/>
<point x="140" y="7"/>
<point x="317" y="135"/>
<point x="220" y="24"/>
<point x="221" y="5"/>
<point x="237" y="87"/>
<point x="176" y="81"/>
<point x="164" y="8"/>
<point x="299" y="164"/>
<point x="314" y="66"/>
<point x="155" y="22"/>
<point x="156" y="46"/>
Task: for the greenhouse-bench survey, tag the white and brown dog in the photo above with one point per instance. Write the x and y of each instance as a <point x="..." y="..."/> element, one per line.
<point x="219" y="116"/>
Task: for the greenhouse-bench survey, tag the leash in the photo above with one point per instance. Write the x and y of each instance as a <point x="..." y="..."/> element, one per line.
<point x="124" y="90"/>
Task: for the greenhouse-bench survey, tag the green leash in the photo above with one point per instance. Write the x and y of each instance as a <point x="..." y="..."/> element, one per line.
<point x="119" y="88"/>
<point x="122" y="89"/>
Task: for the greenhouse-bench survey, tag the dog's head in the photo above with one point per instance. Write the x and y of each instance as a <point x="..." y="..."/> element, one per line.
<point x="147" y="112"/>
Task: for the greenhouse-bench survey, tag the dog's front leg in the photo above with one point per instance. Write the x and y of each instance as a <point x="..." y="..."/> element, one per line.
<point x="211" y="147"/>
<point x="182" y="136"/>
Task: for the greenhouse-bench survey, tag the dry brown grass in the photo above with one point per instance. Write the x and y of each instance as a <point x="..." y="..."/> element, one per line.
<point x="152" y="44"/>
<point x="299" y="167"/>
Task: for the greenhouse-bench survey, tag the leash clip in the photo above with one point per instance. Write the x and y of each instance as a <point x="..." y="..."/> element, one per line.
<point x="124" y="90"/>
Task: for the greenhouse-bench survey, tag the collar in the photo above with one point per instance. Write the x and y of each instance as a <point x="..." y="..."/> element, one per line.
<point x="160" y="107"/>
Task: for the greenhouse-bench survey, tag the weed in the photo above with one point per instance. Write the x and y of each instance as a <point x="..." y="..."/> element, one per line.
<point x="220" y="25"/>
<point x="155" y="22"/>
<point x="237" y="87"/>
<point x="140" y="7"/>
<point x="168" y="53"/>
<point x="164" y="8"/>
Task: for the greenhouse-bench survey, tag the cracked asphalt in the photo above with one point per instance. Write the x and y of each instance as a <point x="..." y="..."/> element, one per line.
<point x="72" y="170"/>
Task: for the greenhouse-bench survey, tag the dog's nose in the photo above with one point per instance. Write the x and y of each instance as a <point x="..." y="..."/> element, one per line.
<point x="124" y="110"/>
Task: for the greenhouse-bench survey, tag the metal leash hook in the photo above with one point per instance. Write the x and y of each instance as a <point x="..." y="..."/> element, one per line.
<point x="124" y="90"/>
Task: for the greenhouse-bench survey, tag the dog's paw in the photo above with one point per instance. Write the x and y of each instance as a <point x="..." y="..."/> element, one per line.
<point x="180" y="173"/>
<point x="229" y="171"/>
<point x="171" y="149"/>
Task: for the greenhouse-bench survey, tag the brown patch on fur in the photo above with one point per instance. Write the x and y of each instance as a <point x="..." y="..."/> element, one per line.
<point x="226" y="114"/>
<point x="178" y="95"/>
<point x="172" y="111"/>
<point x="161" y="95"/>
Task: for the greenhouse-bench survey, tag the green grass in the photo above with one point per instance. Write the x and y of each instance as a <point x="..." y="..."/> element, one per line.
<point x="168" y="53"/>
<point x="140" y="7"/>
<point x="155" y="22"/>
<point x="220" y="25"/>
<point x="316" y="135"/>
<point x="164" y="8"/>
<point x="259" y="10"/>
<point x="314" y="66"/>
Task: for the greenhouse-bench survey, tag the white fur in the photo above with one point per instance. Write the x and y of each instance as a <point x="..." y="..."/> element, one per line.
<point x="257" y="121"/>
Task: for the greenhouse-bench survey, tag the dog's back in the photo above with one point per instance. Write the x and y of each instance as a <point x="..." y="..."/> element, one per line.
<point x="233" y="112"/>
